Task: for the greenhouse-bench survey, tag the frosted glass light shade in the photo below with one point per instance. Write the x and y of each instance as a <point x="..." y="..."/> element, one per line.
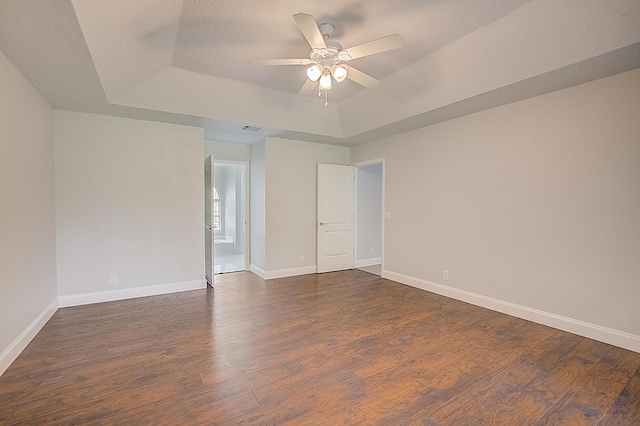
<point x="325" y="82"/>
<point x="314" y="72"/>
<point x="339" y="73"/>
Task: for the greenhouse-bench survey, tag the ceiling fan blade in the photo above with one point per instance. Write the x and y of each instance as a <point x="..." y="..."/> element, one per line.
<point x="309" y="28"/>
<point x="383" y="44"/>
<point x="281" y="61"/>
<point x="361" y="78"/>
<point x="307" y="87"/>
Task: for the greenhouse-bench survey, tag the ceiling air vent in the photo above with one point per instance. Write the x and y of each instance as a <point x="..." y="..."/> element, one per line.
<point x="248" y="128"/>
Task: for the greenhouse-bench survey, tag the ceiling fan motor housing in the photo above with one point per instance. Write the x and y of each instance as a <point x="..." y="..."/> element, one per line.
<point x="329" y="56"/>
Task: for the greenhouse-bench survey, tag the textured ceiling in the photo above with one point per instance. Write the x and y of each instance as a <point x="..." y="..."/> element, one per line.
<point x="187" y="61"/>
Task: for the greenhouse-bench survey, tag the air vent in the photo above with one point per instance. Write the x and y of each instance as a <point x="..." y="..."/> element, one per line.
<point x="248" y="128"/>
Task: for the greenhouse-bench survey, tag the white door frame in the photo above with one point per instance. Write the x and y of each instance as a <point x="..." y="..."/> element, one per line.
<point x="246" y="229"/>
<point x="382" y="212"/>
<point x="208" y="221"/>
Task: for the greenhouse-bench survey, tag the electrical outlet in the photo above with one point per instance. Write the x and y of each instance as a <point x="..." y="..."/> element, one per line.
<point x="371" y="250"/>
<point x="445" y="275"/>
<point x="302" y="258"/>
<point x="113" y="278"/>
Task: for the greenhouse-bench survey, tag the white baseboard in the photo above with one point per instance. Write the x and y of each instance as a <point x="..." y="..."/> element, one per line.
<point x="258" y="271"/>
<point x="581" y="328"/>
<point x="282" y="273"/>
<point x="130" y="293"/>
<point x="292" y="272"/>
<point x="17" y="346"/>
<point x="368" y="262"/>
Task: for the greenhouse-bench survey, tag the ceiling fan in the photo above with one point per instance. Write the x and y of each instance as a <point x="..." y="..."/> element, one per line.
<point x="327" y="57"/>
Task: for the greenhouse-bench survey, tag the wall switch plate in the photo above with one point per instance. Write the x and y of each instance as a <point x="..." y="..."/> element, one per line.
<point x="113" y="278"/>
<point x="445" y="275"/>
<point x="302" y="258"/>
<point x="387" y="215"/>
<point x="371" y="250"/>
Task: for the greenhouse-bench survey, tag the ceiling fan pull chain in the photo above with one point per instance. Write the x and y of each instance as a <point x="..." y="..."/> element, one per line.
<point x="326" y="97"/>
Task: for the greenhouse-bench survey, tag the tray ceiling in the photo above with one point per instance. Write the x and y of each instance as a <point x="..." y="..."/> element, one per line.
<point x="187" y="61"/>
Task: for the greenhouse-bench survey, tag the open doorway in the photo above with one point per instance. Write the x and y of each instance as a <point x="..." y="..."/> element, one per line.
<point x="369" y="216"/>
<point x="229" y="216"/>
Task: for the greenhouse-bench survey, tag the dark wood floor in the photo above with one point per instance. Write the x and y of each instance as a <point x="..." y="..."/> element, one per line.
<point x="338" y="348"/>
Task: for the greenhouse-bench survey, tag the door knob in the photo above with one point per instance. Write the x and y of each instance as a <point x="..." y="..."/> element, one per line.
<point x="323" y="223"/>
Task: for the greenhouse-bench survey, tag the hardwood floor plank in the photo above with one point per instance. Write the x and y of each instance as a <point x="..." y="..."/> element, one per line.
<point x="336" y="348"/>
<point x="430" y="380"/>
<point x="626" y="408"/>
<point x="503" y="388"/>
<point x="592" y="395"/>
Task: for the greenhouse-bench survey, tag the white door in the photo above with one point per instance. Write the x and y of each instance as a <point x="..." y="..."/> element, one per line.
<point x="208" y="221"/>
<point x="335" y="217"/>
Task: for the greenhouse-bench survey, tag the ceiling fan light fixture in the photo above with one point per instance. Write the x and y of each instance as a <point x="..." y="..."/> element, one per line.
<point x="325" y="81"/>
<point x="325" y="59"/>
<point x="314" y="72"/>
<point x="339" y="73"/>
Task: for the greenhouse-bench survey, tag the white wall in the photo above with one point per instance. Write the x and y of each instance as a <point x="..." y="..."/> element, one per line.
<point x="227" y="151"/>
<point x="28" y="294"/>
<point x="369" y="214"/>
<point x="291" y="185"/>
<point x="129" y="201"/>
<point x="535" y="203"/>
<point x="257" y="207"/>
